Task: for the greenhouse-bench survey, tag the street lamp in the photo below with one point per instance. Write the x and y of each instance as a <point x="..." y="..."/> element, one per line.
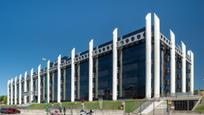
<point x="46" y="96"/>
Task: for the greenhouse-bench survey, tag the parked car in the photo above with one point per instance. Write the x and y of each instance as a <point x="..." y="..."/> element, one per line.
<point x="10" y="111"/>
<point x="55" y="113"/>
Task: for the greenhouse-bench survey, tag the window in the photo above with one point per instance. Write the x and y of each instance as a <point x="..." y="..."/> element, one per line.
<point x="133" y="73"/>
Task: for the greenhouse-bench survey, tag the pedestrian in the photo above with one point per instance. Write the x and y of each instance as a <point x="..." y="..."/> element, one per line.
<point x="64" y="110"/>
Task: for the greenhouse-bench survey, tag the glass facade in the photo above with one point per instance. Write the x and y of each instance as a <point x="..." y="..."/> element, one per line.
<point x="84" y="80"/>
<point x="105" y="76"/>
<point x="133" y="71"/>
<point x="55" y="86"/>
<point x="42" y="88"/>
<point x="63" y="82"/>
<point x="188" y="71"/>
<point x="22" y="98"/>
<point x="51" y="87"/>
<point x="28" y="88"/>
<point x="17" y="91"/>
<point x="35" y="89"/>
<point x="178" y="73"/>
<point x="68" y="83"/>
<point x="165" y="70"/>
<point x="77" y="81"/>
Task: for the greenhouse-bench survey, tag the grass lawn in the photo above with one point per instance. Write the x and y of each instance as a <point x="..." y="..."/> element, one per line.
<point x="200" y="107"/>
<point x="5" y="106"/>
<point x="130" y="105"/>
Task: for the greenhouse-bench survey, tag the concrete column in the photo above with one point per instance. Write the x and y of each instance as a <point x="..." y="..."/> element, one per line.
<point x="8" y="92"/>
<point x="59" y="79"/>
<point x="183" y="47"/>
<point x="64" y="84"/>
<point x="11" y="91"/>
<point x="15" y="91"/>
<point x="91" y="70"/>
<point x="163" y="64"/>
<point x="96" y="77"/>
<point x="53" y="86"/>
<point x="25" y="87"/>
<point x="156" y="56"/>
<point x="20" y="90"/>
<point x="31" y="85"/>
<point x="39" y="84"/>
<point x="43" y="87"/>
<point x="48" y="81"/>
<point x="148" y="34"/>
<point x="173" y="64"/>
<point x="78" y="80"/>
<point x="73" y="75"/>
<point x="115" y="64"/>
<point x="192" y="73"/>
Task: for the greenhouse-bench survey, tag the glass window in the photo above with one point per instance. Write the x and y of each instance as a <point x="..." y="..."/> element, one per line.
<point x="55" y="86"/>
<point x="178" y="73"/>
<point x="133" y="71"/>
<point x="84" y="80"/>
<point x="68" y="83"/>
<point x="188" y="71"/>
<point x="105" y="76"/>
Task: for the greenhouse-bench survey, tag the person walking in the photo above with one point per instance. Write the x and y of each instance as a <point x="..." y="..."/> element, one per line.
<point x="64" y="109"/>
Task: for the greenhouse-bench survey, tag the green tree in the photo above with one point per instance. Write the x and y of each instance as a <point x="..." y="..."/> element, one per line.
<point x="3" y="99"/>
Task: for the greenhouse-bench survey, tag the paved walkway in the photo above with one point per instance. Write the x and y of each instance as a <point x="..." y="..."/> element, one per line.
<point x="163" y="112"/>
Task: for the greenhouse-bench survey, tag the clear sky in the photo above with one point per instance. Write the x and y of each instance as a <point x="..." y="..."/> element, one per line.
<point x="32" y="29"/>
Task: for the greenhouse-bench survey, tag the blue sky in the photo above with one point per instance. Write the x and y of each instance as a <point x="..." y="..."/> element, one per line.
<point x="30" y="30"/>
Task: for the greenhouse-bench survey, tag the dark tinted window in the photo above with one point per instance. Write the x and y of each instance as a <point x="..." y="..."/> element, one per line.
<point x="105" y="76"/>
<point x="133" y="71"/>
<point x="84" y="80"/>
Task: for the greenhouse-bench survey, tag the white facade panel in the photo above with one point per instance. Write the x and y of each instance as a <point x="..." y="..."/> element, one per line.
<point x="156" y="56"/>
<point x="115" y="63"/>
<point x="183" y="47"/>
<point x="39" y="84"/>
<point x="91" y="70"/>
<point x="73" y="75"/>
<point x="148" y="34"/>
<point x="173" y="64"/>
<point x="59" y="79"/>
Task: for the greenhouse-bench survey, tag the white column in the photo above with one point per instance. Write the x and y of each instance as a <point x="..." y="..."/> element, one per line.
<point x="39" y="84"/>
<point x="91" y="70"/>
<point x="173" y="64"/>
<point x="20" y="90"/>
<point x="8" y="92"/>
<point x="11" y="91"/>
<point x="183" y="47"/>
<point x="31" y="85"/>
<point x="148" y="34"/>
<point x="59" y="79"/>
<point x="73" y="75"/>
<point x="115" y="63"/>
<point x="48" y="81"/>
<point x="25" y="87"/>
<point x="192" y="73"/>
<point x="15" y="91"/>
<point x="156" y="56"/>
